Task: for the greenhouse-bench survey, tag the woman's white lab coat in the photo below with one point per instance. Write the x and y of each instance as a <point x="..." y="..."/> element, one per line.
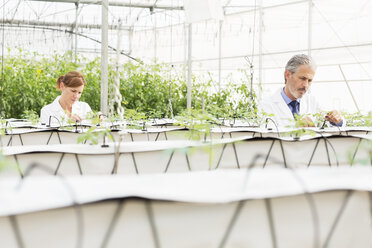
<point x="55" y="110"/>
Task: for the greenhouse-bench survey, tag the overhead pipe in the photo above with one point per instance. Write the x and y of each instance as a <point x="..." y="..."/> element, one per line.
<point x="117" y="3"/>
<point x="60" y="24"/>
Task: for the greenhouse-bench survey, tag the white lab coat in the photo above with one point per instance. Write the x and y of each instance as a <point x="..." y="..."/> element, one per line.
<point x="282" y="114"/>
<point x="54" y="109"/>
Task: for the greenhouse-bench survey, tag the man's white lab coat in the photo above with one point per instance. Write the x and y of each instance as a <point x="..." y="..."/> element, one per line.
<point x="282" y="114"/>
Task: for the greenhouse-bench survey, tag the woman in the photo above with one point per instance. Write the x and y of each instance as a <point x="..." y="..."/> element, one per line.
<point x="67" y="105"/>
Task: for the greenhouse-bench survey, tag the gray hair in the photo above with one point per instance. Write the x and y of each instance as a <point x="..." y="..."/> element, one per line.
<point x="298" y="60"/>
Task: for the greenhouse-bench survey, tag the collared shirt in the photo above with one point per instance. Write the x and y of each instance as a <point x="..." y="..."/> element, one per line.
<point x="288" y="100"/>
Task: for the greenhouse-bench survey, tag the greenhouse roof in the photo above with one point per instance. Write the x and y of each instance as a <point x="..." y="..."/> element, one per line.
<point x="252" y="36"/>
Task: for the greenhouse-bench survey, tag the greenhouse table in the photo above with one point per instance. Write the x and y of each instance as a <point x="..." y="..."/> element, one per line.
<point x="274" y="207"/>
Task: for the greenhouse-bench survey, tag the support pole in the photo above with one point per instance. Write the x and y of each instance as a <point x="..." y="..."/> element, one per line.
<point x="219" y="55"/>
<point x="104" y="58"/>
<point x="189" y="69"/>
<point x="76" y="28"/>
<point x="260" y="24"/>
<point x="185" y="49"/>
<point x="155" y="39"/>
<point x="310" y="27"/>
<point x="348" y="87"/>
<point x="116" y="87"/>
<point x="2" y="60"/>
<point x="117" y="59"/>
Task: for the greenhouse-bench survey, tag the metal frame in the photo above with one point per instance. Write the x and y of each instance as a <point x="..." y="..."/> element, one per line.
<point x="116" y="3"/>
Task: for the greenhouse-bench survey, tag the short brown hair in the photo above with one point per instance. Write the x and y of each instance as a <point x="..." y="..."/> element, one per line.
<point x="72" y="79"/>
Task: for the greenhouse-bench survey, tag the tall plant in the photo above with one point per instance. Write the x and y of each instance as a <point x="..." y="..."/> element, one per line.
<point x="29" y="84"/>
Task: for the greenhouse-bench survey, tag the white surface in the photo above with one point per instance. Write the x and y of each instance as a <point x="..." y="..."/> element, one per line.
<point x="196" y="11"/>
<point x="191" y="209"/>
<point x="41" y="135"/>
<point x="137" y="222"/>
<point x="144" y="146"/>
<point x="220" y="186"/>
<point x="183" y="156"/>
<point x="97" y="149"/>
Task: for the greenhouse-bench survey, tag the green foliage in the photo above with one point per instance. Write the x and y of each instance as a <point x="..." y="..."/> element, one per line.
<point x="298" y="133"/>
<point x="358" y="119"/>
<point x="93" y="135"/>
<point x="366" y="146"/>
<point x="92" y="74"/>
<point x="300" y="123"/>
<point x="31" y="116"/>
<point x="307" y="120"/>
<point x="94" y="117"/>
<point x="2" y="126"/>
<point x="29" y="84"/>
<point x="199" y="123"/>
<point x="135" y="119"/>
<point x="231" y="101"/>
<point x="145" y="89"/>
<point x="4" y="163"/>
<point x="133" y="115"/>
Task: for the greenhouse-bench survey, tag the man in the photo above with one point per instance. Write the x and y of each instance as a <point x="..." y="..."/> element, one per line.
<point x="294" y="100"/>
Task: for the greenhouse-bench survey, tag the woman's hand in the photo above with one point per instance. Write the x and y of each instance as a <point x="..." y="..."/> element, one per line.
<point x="76" y="118"/>
<point x="101" y="116"/>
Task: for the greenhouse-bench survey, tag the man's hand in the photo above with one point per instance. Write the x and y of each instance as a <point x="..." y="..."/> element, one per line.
<point x="333" y="116"/>
<point x="306" y="121"/>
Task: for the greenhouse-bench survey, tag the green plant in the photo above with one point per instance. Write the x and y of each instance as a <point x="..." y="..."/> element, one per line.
<point x="365" y="145"/>
<point x="319" y="118"/>
<point x="231" y="101"/>
<point x="305" y="120"/>
<point x="198" y="123"/>
<point x="358" y="119"/>
<point x="5" y="164"/>
<point x="135" y="118"/>
<point x="93" y="135"/>
<point x="2" y="128"/>
<point x="31" y="116"/>
<point x="253" y="117"/>
<point x="94" y="117"/>
<point x="29" y="84"/>
<point x="299" y="132"/>
<point x="145" y="88"/>
<point x="300" y="122"/>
